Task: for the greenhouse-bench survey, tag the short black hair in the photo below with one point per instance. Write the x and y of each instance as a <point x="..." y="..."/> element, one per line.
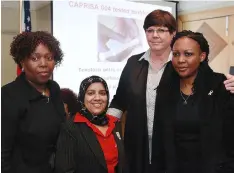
<point x="196" y="36"/>
<point x="160" y="18"/>
<point x="24" y="44"/>
<point x="71" y="99"/>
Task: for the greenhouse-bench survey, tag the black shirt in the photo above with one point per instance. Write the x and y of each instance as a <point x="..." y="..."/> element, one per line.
<point x="188" y="144"/>
<point x="30" y="126"/>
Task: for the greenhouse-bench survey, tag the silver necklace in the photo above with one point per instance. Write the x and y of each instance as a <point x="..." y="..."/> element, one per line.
<point x="185" y="99"/>
<point x="44" y="92"/>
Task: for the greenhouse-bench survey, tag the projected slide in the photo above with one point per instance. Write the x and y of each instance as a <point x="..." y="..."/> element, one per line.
<point x="98" y="38"/>
<point x="115" y="43"/>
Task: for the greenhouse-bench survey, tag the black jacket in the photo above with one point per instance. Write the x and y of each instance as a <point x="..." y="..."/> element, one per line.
<point x="78" y="150"/>
<point x="216" y="112"/>
<point x="131" y="97"/>
<point x="30" y="126"/>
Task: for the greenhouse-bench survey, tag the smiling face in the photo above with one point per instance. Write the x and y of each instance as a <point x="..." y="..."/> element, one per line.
<point x="187" y="56"/>
<point x="158" y="38"/>
<point x="39" y="65"/>
<point x="95" y="99"/>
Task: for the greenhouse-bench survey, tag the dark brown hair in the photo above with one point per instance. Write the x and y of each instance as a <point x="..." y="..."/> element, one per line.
<point x="160" y="18"/>
<point x="71" y="99"/>
<point x="24" y="44"/>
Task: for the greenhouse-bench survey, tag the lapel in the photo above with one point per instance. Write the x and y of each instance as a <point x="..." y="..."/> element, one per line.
<point x="139" y="86"/>
<point x="118" y="141"/>
<point x="211" y="124"/>
<point x="169" y="117"/>
<point x="30" y="93"/>
<point x="167" y="95"/>
<point x="93" y="143"/>
<point x="205" y="99"/>
<point x="55" y="96"/>
<point x="139" y="82"/>
<point x="166" y="74"/>
<point x="205" y="108"/>
<point x="206" y="90"/>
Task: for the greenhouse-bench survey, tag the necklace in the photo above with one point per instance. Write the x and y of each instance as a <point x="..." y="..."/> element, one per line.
<point x="185" y="99"/>
<point x="44" y="92"/>
<point x="47" y="97"/>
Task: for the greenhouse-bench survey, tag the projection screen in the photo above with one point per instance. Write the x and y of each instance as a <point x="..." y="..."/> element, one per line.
<point x="98" y="37"/>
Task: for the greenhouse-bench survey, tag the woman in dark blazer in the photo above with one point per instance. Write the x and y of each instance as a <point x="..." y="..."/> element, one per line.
<point x="32" y="108"/>
<point x="194" y="126"/>
<point x="90" y="142"/>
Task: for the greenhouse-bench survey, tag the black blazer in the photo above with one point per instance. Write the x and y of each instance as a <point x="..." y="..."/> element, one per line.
<point x="216" y="111"/>
<point x="30" y="126"/>
<point x="131" y="97"/>
<point x="78" y="151"/>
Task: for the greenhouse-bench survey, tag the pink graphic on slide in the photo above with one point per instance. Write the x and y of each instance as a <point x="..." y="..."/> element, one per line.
<point x="118" y="38"/>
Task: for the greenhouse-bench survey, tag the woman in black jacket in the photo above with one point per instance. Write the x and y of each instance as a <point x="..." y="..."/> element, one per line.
<point x="194" y="126"/>
<point x="32" y="109"/>
<point x="90" y="142"/>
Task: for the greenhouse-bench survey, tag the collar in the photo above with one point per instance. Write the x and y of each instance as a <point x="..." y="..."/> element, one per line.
<point x="146" y="56"/>
<point x="78" y="118"/>
<point x="29" y="91"/>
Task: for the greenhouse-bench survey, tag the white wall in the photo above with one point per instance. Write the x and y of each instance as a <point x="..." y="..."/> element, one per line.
<point x="43" y="18"/>
<point x="10" y="22"/>
<point x="10" y="27"/>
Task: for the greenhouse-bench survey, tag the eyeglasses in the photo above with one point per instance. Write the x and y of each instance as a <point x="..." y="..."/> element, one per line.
<point x="159" y="31"/>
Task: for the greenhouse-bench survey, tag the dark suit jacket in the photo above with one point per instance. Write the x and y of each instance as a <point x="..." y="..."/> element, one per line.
<point x="216" y="111"/>
<point x="78" y="151"/>
<point x="131" y="97"/>
<point x="30" y="126"/>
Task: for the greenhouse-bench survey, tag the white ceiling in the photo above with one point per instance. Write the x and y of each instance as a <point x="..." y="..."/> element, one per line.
<point x="194" y="6"/>
<point x="183" y="7"/>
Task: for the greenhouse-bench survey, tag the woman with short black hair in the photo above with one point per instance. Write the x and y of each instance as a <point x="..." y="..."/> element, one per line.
<point x="32" y="108"/>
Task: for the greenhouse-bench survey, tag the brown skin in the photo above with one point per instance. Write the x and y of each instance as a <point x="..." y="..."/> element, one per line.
<point x="38" y="67"/>
<point x="187" y="56"/>
<point x="95" y="101"/>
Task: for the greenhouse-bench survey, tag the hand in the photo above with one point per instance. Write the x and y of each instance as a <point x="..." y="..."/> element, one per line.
<point x="229" y="83"/>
